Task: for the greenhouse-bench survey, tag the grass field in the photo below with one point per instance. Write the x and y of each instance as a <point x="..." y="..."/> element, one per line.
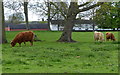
<point x="0" y="59"/>
<point x="49" y="56"/>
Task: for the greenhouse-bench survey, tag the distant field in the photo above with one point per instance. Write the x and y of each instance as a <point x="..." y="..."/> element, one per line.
<point x="49" y="56"/>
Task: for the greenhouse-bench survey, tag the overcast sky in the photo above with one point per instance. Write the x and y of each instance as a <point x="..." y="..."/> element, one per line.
<point x="31" y="16"/>
<point x="34" y="17"/>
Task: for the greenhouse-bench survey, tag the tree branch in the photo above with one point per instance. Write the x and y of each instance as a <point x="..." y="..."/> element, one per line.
<point x="90" y="7"/>
<point x="44" y="9"/>
<point x="58" y="9"/>
<point x="54" y="14"/>
<point x="83" y="4"/>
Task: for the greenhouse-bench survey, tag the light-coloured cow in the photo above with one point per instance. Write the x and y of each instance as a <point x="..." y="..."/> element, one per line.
<point x="98" y="36"/>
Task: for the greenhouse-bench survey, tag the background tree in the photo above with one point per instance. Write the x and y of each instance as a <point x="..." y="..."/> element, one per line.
<point x="26" y="13"/>
<point x="118" y="13"/>
<point x="45" y="9"/>
<point x="107" y="15"/>
<point x="16" y="18"/>
<point x="16" y="6"/>
<point x="56" y="15"/>
<point x="48" y="5"/>
<point x="4" y="40"/>
<point x="70" y="16"/>
<point x="0" y="23"/>
<point x="41" y="9"/>
<point x="12" y="7"/>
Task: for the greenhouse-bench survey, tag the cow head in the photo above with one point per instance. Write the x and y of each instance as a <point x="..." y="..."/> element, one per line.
<point x="107" y="33"/>
<point x="114" y="39"/>
<point x="12" y="44"/>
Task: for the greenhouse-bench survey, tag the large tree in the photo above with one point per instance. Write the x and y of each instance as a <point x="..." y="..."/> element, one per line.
<point x="70" y="16"/>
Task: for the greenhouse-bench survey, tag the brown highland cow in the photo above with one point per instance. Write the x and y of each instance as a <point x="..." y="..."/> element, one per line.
<point x="110" y="36"/>
<point x="23" y="37"/>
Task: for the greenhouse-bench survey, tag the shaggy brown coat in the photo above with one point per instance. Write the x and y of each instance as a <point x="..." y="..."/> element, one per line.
<point x="110" y="36"/>
<point x="23" y="37"/>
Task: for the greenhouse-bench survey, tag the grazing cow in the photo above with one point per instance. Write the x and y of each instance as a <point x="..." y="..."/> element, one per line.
<point x="23" y="37"/>
<point x="110" y="36"/>
<point x="98" y="36"/>
<point x="36" y="38"/>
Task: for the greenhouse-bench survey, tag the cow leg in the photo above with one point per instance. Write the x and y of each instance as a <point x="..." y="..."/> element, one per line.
<point x="31" y="43"/>
<point x="25" y="43"/>
<point x="95" y="39"/>
<point x="20" y="44"/>
<point x="107" y="39"/>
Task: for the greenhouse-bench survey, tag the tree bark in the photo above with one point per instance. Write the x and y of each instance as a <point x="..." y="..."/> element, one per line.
<point x="26" y="14"/>
<point x="69" y="23"/>
<point x="3" y="25"/>
<point x="119" y="14"/>
<point x="93" y="21"/>
<point x="67" y="32"/>
<point x="0" y="23"/>
<point x="58" y="27"/>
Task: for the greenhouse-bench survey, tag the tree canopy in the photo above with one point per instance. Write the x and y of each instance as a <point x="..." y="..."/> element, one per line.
<point x="107" y="15"/>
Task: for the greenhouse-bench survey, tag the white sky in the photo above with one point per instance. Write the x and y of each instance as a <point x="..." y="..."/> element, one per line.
<point x="31" y="16"/>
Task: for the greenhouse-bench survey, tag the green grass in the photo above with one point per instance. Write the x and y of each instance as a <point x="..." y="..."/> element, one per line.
<point x="0" y="58"/>
<point x="49" y="56"/>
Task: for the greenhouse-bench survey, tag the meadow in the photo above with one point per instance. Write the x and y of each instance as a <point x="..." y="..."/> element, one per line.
<point x="49" y="56"/>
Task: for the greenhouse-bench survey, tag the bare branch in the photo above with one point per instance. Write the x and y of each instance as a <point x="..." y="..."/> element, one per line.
<point x="90" y="7"/>
<point x="58" y="9"/>
<point x="83" y="4"/>
<point x="53" y="14"/>
<point x="45" y="9"/>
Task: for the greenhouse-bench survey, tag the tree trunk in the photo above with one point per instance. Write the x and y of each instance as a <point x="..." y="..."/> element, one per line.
<point x="93" y="26"/>
<point x="26" y="14"/>
<point x="119" y="15"/>
<point x="49" y="16"/>
<point x="93" y="21"/>
<point x="58" y="27"/>
<point x="0" y="23"/>
<point x="69" y="23"/>
<point x="67" y="32"/>
<point x="3" y="25"/>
